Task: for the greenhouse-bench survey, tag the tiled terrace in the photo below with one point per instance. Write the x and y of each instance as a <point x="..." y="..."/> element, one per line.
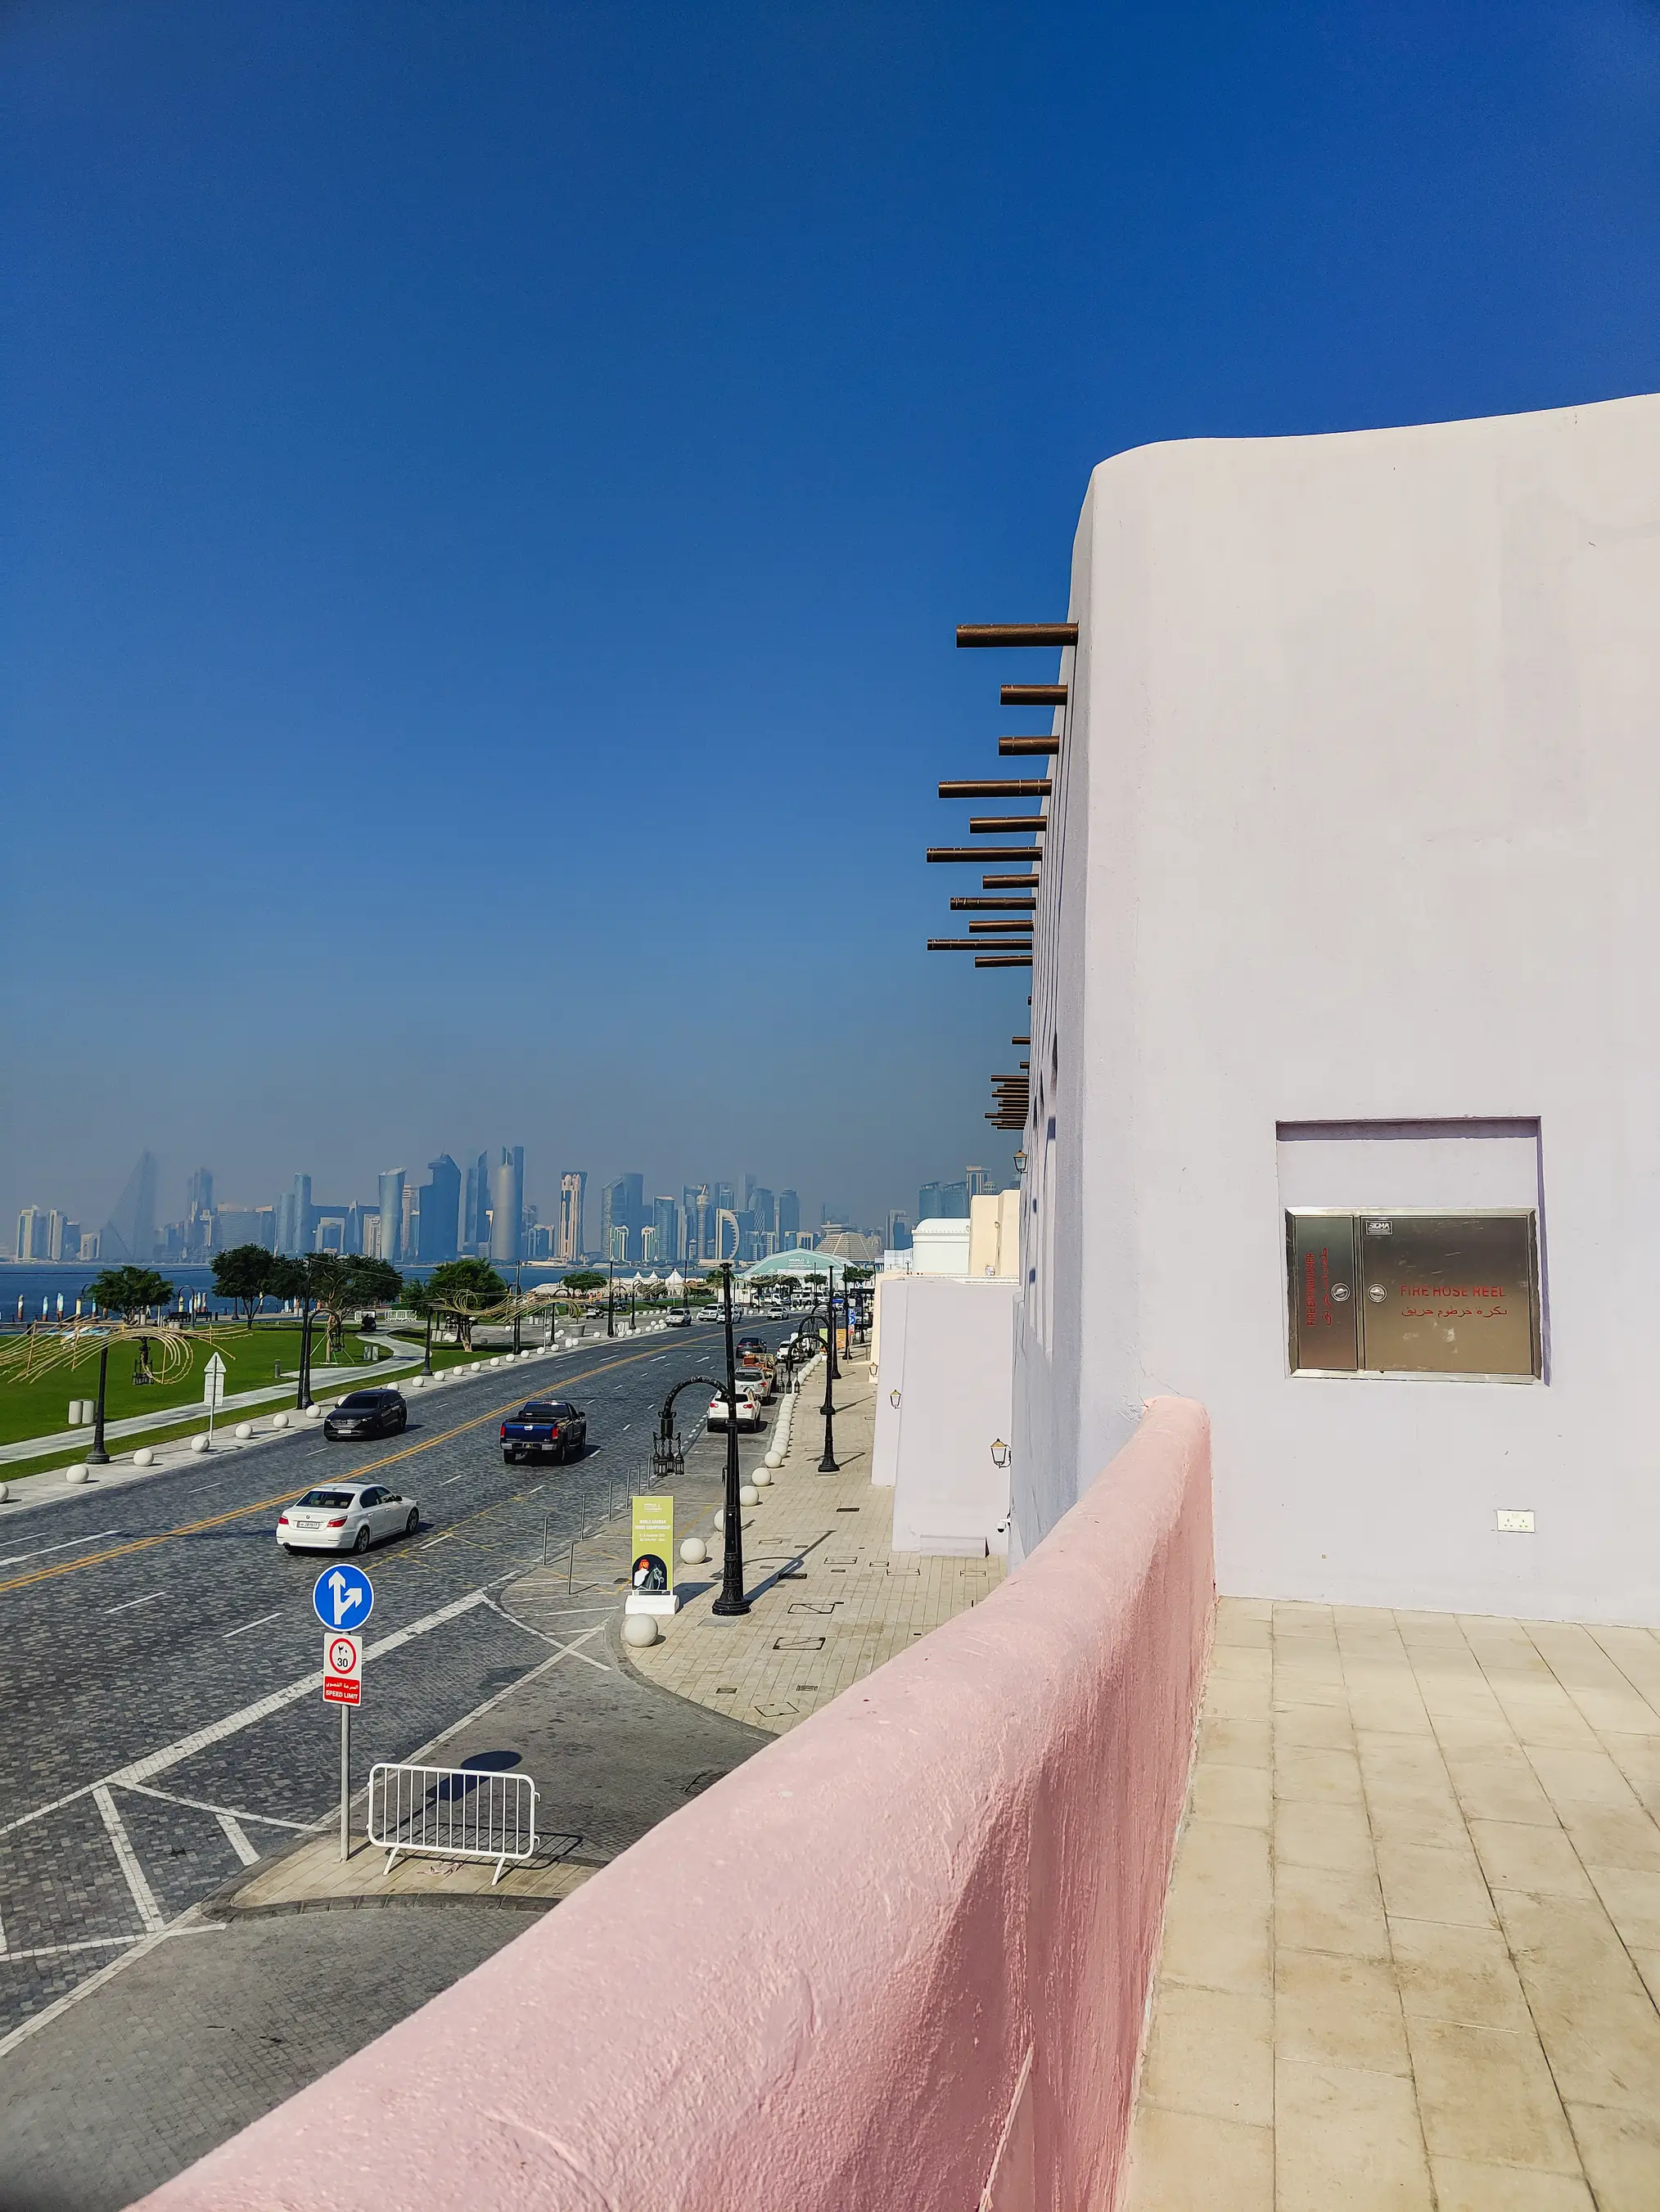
<point x="1411" y="1951"/>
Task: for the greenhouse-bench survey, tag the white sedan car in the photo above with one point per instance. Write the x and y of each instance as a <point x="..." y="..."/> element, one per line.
<point x="749" y="1412"/>
<point x="346" y="1516"/>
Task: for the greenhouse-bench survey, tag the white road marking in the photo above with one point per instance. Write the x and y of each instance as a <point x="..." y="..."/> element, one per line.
<point x="136" y="1947"/>
<point x="127" y="1606"/>
<point x="149" y="1912"/>
<point x="239" y="1843"/>
<point x="248" y="1624"/>
<point x="436" y="1539"/>
<point x="18" y="1559"/>
<point x="449" y="1478"/>
<point x="200" y="1805"/>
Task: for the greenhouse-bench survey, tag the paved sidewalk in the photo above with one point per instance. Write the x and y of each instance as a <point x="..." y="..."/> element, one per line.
<point x="1412" y="1947"/>
<point x="829" y="1601"/>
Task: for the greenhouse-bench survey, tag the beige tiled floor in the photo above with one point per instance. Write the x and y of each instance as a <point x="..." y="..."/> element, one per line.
<point x="829" y="1601"/>
<point x="1412" y="1950"/>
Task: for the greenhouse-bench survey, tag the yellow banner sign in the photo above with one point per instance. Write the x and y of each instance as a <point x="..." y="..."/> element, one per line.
<point x="654" y="1546"/>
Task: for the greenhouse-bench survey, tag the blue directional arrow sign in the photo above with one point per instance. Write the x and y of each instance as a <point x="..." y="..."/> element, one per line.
<point x="342" y="1598"/>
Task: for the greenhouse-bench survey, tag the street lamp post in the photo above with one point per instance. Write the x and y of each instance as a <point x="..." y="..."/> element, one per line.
<point x="732" y="1598"/>
<point x="302" y="1396"/>
<point x="426" y="1364"/>
<point x="828" y="1464"/>
<point x="516" y="1276"/>
<point x="610" y="1295"/>
<point x="834" y="1373"/>
<point x="98" y="1456"/>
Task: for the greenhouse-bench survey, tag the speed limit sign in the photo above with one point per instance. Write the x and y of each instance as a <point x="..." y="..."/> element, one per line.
<point x="343" y="1670"/>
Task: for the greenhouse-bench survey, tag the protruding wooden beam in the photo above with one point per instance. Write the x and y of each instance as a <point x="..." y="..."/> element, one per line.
<point x="1026" y="1040"/>
<point x="1011" y="746"/>
<point x="986" y="853"/>
<point x="1050" y="633"/>
<point x="1001" y="928"/>
<point x="1034" y="695"/>
<point x="1003" y="960"/>
<point x="1007" y="825"/>
<point x="992" y="906"/>
<point x="1008" y="882"/>
<point x="997" y="786"/>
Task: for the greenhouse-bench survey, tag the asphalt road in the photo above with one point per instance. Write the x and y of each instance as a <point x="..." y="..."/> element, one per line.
<point x="163" y="1727"/>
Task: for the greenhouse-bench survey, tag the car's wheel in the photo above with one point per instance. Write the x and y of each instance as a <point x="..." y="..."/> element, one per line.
<point x="506" y="1459"/>
<point x="288" y="1548"/>
<point x="403" y="1423"/>
<point x="362" y="1543"/>
<point x="413" y="1523"/>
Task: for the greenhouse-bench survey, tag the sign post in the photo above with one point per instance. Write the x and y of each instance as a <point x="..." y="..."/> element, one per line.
<point x="343" y="1593"/>
<point x="213" y="1388"/>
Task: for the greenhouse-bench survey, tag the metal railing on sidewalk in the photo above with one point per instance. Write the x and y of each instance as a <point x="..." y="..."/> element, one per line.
<point x="453" y="1812"/>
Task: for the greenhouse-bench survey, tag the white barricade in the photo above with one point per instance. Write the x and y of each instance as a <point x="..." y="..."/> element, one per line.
<point x="453" y="1813"/>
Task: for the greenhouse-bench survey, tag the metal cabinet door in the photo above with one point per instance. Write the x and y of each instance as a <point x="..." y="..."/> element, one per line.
<point x="1450" y="1293"/>
<point x="1320" y="1255"/>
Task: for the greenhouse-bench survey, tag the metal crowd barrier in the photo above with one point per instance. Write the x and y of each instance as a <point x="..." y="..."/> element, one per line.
<point x="453" y="1813"/>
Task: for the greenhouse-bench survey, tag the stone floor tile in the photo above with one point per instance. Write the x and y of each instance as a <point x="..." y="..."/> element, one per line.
<point x="1177" y="2160"/>
<point x="1216" y="1920"/>
<point x="1580" y="1777"/>
<point x="1321" y="1909"/>
<point x="1235" y="1662"/>
<point x="1462" y="1975"/>
<point x="1296" y="1617"/>
<point x="1524" y="1854"/>
<point x="1332" y="1777"/>
<point x="1638" y="1758"/>
<point x="1316" y="1727"/>
<point x="1621" y="2155"/>
<point x="1647" y="1964"/>
<point x="1631" y="1901"/>
<point x="1234" y="1743"/>
<point x="1212" y="2051"/>
<point x="1496" y="1783"/>
<point x="1243" y="1796"/>
<point x="1229" y="1698"/>
<point x="1304" y="1686"/>
<point x="1614" y="1837"/>
<point x="1338" y="2012"/>
<point x="1347" y="2137"/>
<point x="1422" y="1883"/>
<point x="1462" y="2187"/>
<point x="1487" y="2095"/>
<point x="1235" y="1627"/>
<point x="1566" y="1940"/>
<point x="1603" y="2045"/>
<point x="1309" y="1831"/>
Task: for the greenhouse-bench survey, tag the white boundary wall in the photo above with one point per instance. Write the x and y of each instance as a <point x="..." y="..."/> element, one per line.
<point x="1357" y="821"/>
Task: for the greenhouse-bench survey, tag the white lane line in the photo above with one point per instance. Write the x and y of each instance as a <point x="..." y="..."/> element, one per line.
<point x="248" y="1624"/>
<point x="149" y="1912"/>
<point x="175" y="1754"/>
<point x="436" y="1539"/>
<point x="449" y="1478"/>
<point x="201" y="1805"/>
<point x="561" y="1650"/>
<point x="239" y="1843"/>
<point x="85" y="1943"/>
<point x="139" y="1947"/>
<point x="129" y="1604"/>
<point x="17" y="1560"/>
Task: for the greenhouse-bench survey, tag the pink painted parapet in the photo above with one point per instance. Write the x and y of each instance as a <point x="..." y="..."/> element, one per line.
<point x="900" y="1958"/>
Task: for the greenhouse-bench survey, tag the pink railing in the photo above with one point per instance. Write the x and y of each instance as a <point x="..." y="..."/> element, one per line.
<point x="900" y="1958"/>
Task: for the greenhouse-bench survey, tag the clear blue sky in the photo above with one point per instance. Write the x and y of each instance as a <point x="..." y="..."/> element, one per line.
<point x="488" y="486"/>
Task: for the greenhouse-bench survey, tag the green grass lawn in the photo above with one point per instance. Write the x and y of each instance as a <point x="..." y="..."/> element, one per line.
<point x="40" y="1406"/>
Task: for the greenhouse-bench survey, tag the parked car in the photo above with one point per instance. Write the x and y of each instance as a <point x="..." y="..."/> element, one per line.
<point x="545" y="1428"/>
<point x="366" y="1413"/>
<point x="754" y="1383"/>
<point x="346" y="1516"/>
<point x="677" y="1317"/>
<point x="749" y="1415"/>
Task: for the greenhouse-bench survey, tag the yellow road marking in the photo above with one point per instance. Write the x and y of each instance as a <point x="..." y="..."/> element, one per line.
<point x="286" y="1498"/>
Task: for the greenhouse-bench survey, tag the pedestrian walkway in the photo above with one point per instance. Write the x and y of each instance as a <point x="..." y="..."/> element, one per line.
<point x="829" y="1599"/>
<point x="1412" y="1947"/>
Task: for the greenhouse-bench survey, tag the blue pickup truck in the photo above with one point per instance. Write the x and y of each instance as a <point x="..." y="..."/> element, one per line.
<point x="546" y="1428"/>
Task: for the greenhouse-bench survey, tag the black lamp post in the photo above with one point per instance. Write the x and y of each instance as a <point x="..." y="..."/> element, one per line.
<point x="834" y="1365"/>
<point x="302" y="1395"/>
<point x="828" y="1464"/>
<point x="98" y="1456"/>
<point x="515" y="1309"/>
<point x="610" y="1295"/>
<point x="426" y="1364"/>
<point x="732" y="1598"/>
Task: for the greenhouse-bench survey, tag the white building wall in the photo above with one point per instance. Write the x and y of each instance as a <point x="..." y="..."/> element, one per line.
<point x="1356" y="821"/>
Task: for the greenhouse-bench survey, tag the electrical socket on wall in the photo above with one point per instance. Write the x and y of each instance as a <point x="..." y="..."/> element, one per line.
<point x="1514" y="1523"/>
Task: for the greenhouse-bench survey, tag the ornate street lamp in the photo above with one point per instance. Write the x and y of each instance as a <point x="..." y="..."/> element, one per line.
<point x="732" y="1598"/>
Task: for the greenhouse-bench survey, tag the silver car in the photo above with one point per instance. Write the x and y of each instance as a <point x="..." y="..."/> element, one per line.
<point x="346" y="1516"/>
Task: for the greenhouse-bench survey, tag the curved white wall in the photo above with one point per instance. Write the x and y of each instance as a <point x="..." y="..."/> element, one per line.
<point x="1357" y="820"/>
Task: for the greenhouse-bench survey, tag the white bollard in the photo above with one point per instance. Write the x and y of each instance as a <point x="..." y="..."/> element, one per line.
<point x="201" y="1444"/>
<point x="279" y="1421"/>
<point x="694" y="1552"/>
<point x="76" y="1473"/>
<point x="748" y="1494"/>
<point x="763" y="1474"/>
<point x="144" y="1456"/>
<point x="244" y="1431"/>
<point x="313" y="1412"/>
<point x="5" y="1493"/>
<point x="639" y="1630"/>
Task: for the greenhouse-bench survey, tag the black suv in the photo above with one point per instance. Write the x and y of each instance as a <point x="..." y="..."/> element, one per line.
<point x="366" y="1413"/>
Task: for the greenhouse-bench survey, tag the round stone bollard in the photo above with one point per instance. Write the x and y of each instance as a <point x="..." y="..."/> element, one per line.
<point x="76" y="1474"/>
<point x="694" y="1552"/>
<point x="144" y="1456"/>
<point x="763" y="1477"/>
<point x="639" y="1631"/>
<point x="201" y="1444"/>
<point x="279" y="1421"/>
<point x="243" y="1431"/>
<point x="5" y="1493"/>
<point x="749" y="1495"/>
<point x="774" y="1458"/>
<point x="313" y="1412"/>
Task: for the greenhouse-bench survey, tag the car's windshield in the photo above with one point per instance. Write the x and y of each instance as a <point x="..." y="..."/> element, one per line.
<point x="363" y="1401"/>
<point x="334" y="1499"/>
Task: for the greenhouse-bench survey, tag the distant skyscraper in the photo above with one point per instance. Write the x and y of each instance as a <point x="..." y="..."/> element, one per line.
<point x="508" y="1205"/>
<point x="725" y="1195"/>
<point x="573" y="1204"/>
<point x="475" y="1206"/>
<point x="898" y="1232"/>
<point x="764" y="1208"/>
<point x="55" y="1236"/>
<point x="977" y="1182"/>
<point x="666" y="1220"/>
<point x="727" y="1235"/>
<point x="293" y="1217"/>
<point x="789" y="1217"/>
<point x="624" y="1206"/>
<point x="198" y="1192"/>
<point x="954" y="1200"/>
<point x="129" y="1232"/>
<point x="32" y="1233"/>
<point x="440" y="1210"/>
<point x="616" y="1244"/>
<point x="392" y="1215"/>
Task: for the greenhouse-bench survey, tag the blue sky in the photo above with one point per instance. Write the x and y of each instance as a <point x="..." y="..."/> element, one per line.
<point x="488" y="489"/>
